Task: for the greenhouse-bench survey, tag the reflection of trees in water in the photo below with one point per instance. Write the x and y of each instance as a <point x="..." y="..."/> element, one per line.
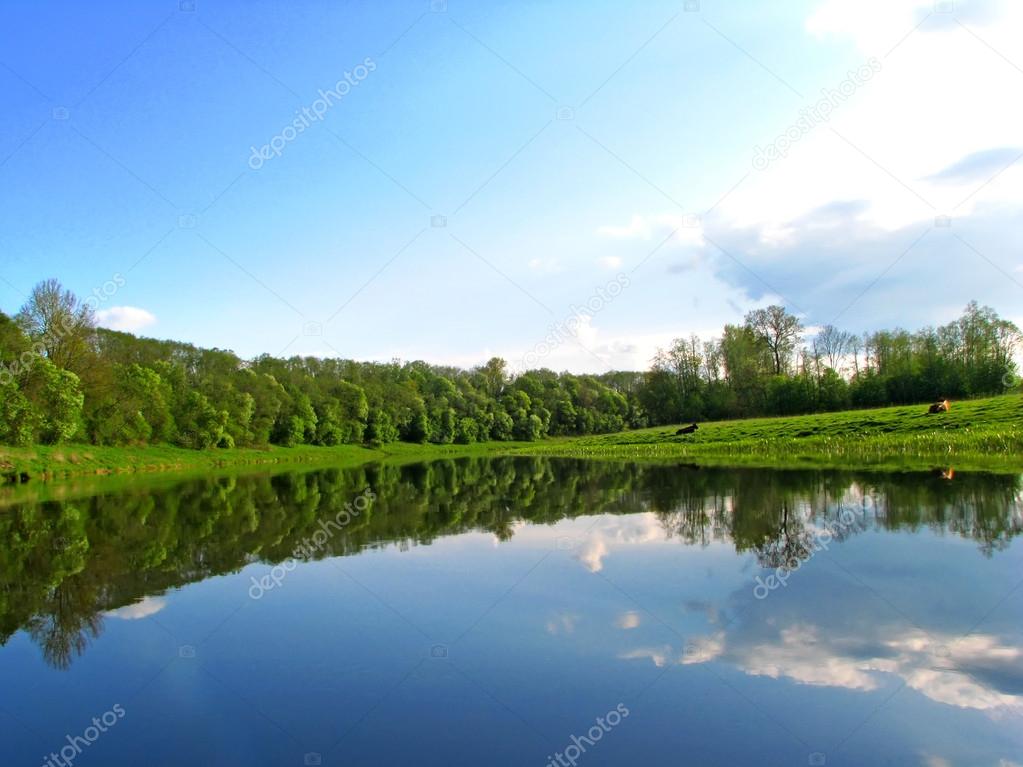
<point x="65" y="623"/>
<point x="770" y="514"/>
<point x="791" y="543"/>
<point x="64" y="563"/>
<point x="988" y="512"/>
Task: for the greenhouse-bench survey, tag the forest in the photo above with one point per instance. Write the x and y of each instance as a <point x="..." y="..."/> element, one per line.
<point x="64" y="379"/>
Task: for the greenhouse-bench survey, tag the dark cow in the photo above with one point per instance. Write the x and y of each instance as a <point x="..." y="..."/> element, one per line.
<point x="687" y="429"/>
<point x="940" y="407"/>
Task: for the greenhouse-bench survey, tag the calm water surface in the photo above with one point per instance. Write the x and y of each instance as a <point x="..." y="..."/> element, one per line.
<point x="516" y="612"/>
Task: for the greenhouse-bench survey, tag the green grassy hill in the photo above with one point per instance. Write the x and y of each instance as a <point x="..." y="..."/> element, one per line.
<point x="980" y="434"/>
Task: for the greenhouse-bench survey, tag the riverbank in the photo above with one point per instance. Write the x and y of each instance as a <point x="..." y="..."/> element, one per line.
<point x="51" y="462"/>
<point x="979" y="435"/>
<point x="983" y="434"/>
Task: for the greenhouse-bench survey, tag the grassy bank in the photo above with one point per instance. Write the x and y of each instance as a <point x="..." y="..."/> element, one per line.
<point x="983" y="434"/>
<point x="60" y="461"/>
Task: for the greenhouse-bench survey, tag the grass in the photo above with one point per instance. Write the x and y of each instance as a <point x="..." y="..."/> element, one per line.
<point x="60" y="461"/>
<point x="982" y="434"/>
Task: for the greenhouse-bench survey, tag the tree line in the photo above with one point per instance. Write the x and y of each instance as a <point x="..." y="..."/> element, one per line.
<point x="62" y="378"/>
<point x="770" y="365"/>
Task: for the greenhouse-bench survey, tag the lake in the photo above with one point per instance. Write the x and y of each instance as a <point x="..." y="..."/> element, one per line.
<point x="515" y="611"/>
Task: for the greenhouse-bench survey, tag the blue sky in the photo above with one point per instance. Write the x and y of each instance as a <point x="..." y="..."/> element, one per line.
<point x="562" y="143"/>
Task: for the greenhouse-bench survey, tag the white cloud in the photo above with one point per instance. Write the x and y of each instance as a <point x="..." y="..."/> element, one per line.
<point x="659" y="656"/>
<point x="927" y="662"/>
<point x="545" y="265"/>
<point x="932" y="132"/>
<point x="628" y="620"/>
<point x="807" y="655"/>
<point x="801" y="656"/>
<point x="910" y="125"/>
<point x="636" y="228"/>
<point x="611" y="262"/>
<point x="597" y="350"/>
<point x="563" y="623"/>
<point x="683" y="229"/>
<point x="129" y="319"/>
<point x="142" y="609"/>
<point x="704" y="649"/>
<point x="875" y="25"/>
<point x="637" y="529"/>
<point x="593" y="553"/>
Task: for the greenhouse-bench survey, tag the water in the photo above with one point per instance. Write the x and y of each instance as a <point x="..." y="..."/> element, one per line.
<point x="506" y="611"/>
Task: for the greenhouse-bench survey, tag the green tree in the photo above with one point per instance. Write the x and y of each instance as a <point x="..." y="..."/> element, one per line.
<point x="467" y="431"/>
<point x="380" y="429"/>
<point x="779" y="331"/>
<point x="200" y="425"/>
<point x="59" y="323"/>
<point x="137" y="408"/>
<point x="19" y="419"/>
<point x="57" y="396"/>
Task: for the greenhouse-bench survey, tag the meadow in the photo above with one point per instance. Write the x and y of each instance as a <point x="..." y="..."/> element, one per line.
<point x="982" y="434"/>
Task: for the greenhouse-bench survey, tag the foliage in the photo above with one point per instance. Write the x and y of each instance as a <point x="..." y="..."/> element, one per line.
<point x="18" y="418"/>
<point x="55" y="318"/>
<point x="760" y="369"/>
<point x="62" y="377"/>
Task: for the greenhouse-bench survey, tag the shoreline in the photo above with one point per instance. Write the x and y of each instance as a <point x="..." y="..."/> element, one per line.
<point x="978" y="435"/>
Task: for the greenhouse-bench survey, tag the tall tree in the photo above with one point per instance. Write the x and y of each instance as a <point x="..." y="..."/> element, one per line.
<point x="55" y="319"/>
<point x="779" y="330"/>
<point x="834" y="344"/>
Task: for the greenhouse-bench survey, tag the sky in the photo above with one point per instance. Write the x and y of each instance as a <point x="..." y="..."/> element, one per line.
<point x="451" y="181"/>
